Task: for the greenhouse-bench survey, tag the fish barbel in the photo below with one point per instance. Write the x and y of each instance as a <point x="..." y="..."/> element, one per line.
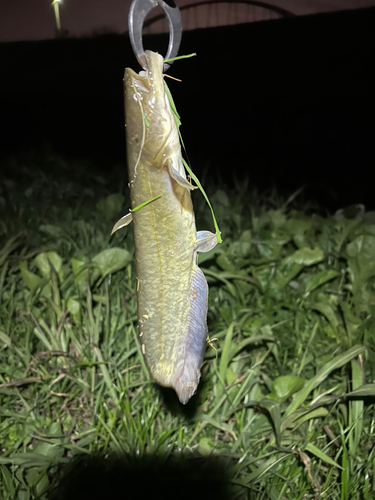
<point x="172" y="291"/>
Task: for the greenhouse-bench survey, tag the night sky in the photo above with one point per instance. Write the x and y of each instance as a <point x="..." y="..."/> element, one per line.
<point x="35" y="20"/>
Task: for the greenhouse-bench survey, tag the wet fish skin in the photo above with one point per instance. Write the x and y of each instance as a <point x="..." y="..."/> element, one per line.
<point x="171" y="289"/>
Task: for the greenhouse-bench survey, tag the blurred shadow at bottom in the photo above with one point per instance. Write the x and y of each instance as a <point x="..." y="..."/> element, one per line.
<point x="128" y="477"/>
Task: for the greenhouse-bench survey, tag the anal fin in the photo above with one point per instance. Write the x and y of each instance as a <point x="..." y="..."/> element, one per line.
<point x="187" y="377"/>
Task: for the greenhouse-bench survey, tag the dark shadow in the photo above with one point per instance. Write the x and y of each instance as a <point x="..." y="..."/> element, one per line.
<point x="132" y="478"/>
<point x="170" y="401"/>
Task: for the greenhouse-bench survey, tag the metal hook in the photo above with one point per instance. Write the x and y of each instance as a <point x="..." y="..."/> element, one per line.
<point x="137" y="13"/>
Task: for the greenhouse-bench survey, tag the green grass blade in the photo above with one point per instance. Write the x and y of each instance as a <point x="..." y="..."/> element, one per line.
<point x="225" y="354"/>
<point x="367" y="390"/>
<point x="323" y="373"/>
<point x="321" y="455"/>
<point x="106" y="375"/>
<point x="172" y="59"/>
<point x="193" y="176"/>
<point x="263" y="469"/>
<point x="356" y="408"/>
<point x="196" y="180"/>
<point x="145" y="203"/>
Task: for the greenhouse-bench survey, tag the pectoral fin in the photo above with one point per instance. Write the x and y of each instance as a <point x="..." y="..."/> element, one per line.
<point x="206" y="241"/>
<point x="187" y="373"/>
<point x="179" y="178"/>
<point x="124" y="221"/>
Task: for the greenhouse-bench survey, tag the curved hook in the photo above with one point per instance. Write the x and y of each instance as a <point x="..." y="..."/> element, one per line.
<point x="137" y="14"/>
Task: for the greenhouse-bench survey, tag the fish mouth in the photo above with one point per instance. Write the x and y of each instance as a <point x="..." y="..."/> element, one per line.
<point x="150" y="80"/>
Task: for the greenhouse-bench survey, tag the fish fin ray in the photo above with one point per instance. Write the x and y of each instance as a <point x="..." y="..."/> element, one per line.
<point x="206" y="241"/>
<point x="124" y="221"/>
<point x="180" y="179"/>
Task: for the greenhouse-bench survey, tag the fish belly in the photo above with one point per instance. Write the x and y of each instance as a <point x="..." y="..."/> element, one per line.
<point x="171" y="290"/>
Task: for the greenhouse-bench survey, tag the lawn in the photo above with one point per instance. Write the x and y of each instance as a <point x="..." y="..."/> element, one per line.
<point x="285" y="407"/>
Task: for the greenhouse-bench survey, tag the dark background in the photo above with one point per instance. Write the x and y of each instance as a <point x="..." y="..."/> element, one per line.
<point x="289" y="102"/>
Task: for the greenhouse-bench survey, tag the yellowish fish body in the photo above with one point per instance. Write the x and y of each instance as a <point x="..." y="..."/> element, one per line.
<point x="171" y="289"/>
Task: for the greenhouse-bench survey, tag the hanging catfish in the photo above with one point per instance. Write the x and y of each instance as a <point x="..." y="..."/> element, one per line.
<point x="171" y="289"/>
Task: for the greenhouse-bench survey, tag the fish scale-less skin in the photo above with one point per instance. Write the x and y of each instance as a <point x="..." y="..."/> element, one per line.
<point x="171" y="289"/>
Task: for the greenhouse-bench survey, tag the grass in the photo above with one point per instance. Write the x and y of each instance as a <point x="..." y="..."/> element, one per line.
<point x="285" y="405"/>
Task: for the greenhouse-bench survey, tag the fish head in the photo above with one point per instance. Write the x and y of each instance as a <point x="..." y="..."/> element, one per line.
<point x="150" y="123"/>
